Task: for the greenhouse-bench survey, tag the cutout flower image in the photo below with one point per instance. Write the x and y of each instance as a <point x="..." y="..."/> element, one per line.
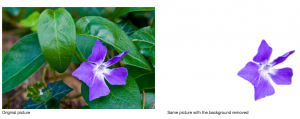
<point x="93" y="74"/>
<point x="260" y="73"/>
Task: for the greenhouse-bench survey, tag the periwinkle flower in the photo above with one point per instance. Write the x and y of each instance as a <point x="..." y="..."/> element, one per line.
<point x="260" y="73"/>
<point x="93" y="74"/>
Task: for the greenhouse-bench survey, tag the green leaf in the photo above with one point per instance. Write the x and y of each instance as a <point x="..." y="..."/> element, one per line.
<point x="127" y="27"/>
<point x="22" y="60"/>
<point x="31" y="21"/>
<point x="59" y="90"/>
<point x="44" y="97"/>
<point x="57" y="36"/>
<point x="120" y="96"/>
<point x="119" y="11"/>
<point x="3" y="54"/>
<point x="84" y="107"/>
<point x="113" y="35"/>
<point x="145" y="79"/>
<point x="84" y="46"/>
<point x="39" y="84"/>
<point x="144" y="39"/>
<point x="149" y="100"/>
<point x="153" y="24"/>
<point x="32" y="91"/>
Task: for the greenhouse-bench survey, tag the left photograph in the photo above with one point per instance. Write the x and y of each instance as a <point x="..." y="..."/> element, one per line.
<point x="78" y="57"/>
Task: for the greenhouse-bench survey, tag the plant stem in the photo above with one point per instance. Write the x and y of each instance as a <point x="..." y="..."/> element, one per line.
<point x="143" y="99"/>
<point x="44" y="73"/>
<point x="70" y="98"/>
<point x="54" y="75"/>
<point x="80" y="60"/>
<point x="53" y="8"/>
<point x="8" y="100"/>
<point x="62" y="77"/>
<point x="72" y="66"/>
<point x="153" y="106"/>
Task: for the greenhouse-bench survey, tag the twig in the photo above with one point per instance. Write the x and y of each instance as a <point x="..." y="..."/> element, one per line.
<point x="153" y="106"/>
<point x="143" y="99"/>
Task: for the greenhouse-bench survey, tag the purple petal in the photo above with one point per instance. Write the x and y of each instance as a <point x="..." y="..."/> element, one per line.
<point x="264" y="53"/>
<point x="116" y="76"/>
<point x="282" y="76"/>
<point x="98" y="53"/>
<point x="263" y="89"/>
<point x="250" y="73"/>
<point x="282" y="58"/>
<point x="85" y="73"/>
<point x="98" y="89"/>
<point x="115" y="59"/>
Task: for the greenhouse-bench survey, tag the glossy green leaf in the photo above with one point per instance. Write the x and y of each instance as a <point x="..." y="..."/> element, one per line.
<point x="22" y="60"/>
<point x="149" y="100"/>
<point x="32" y="91"/>
<point x="145" y="79"/>
<point x="120" y="96"/>
<point x="84" y="46"/>
<point x="57" y="36"/>
<point x="113" y="35"/>
<point x="59" y="90"/>
<point x="44" y="97"/>
<point x="39" y="84"/>
<point x="84" y="107"/>
<point x="31" y="21"/>
<point x="119" y="11"/>
<point x="127" y="27"/>
<point x="144" y="39"/>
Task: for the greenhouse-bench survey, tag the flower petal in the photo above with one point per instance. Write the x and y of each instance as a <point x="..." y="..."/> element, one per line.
<point x="282" y="76"/>
<point x="115" y="59"/>
<point x="282" y="58"/>
<point x="116" y="76"/>
<point x="250" y="73"/>
<point x="98" y="89"/>
<point x="98" y="53"/>
<point x="264" y="53"/>
<point x="85" y="73"/>
<point x="263" y="89"/>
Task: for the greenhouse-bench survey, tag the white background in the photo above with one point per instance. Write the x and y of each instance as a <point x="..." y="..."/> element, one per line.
<point x="200" y="47"/>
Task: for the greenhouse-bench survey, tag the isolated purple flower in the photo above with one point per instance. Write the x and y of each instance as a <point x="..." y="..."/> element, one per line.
<point x="260" y="73"/>
<point x="93" y="74"/>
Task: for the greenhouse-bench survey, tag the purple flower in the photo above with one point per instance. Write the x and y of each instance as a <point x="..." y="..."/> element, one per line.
<point x="260" y="73"/>
<point x="93" y="74"/>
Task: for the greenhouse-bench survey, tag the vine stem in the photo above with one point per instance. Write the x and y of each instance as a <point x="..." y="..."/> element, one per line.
<point x="143" y="99"/>
<point x="54" y="75"/>
<point x="8" y="100"/>
<point x="153" y="106"/>
<point x="44" y="73"/>
<point x="80" y="60"/>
